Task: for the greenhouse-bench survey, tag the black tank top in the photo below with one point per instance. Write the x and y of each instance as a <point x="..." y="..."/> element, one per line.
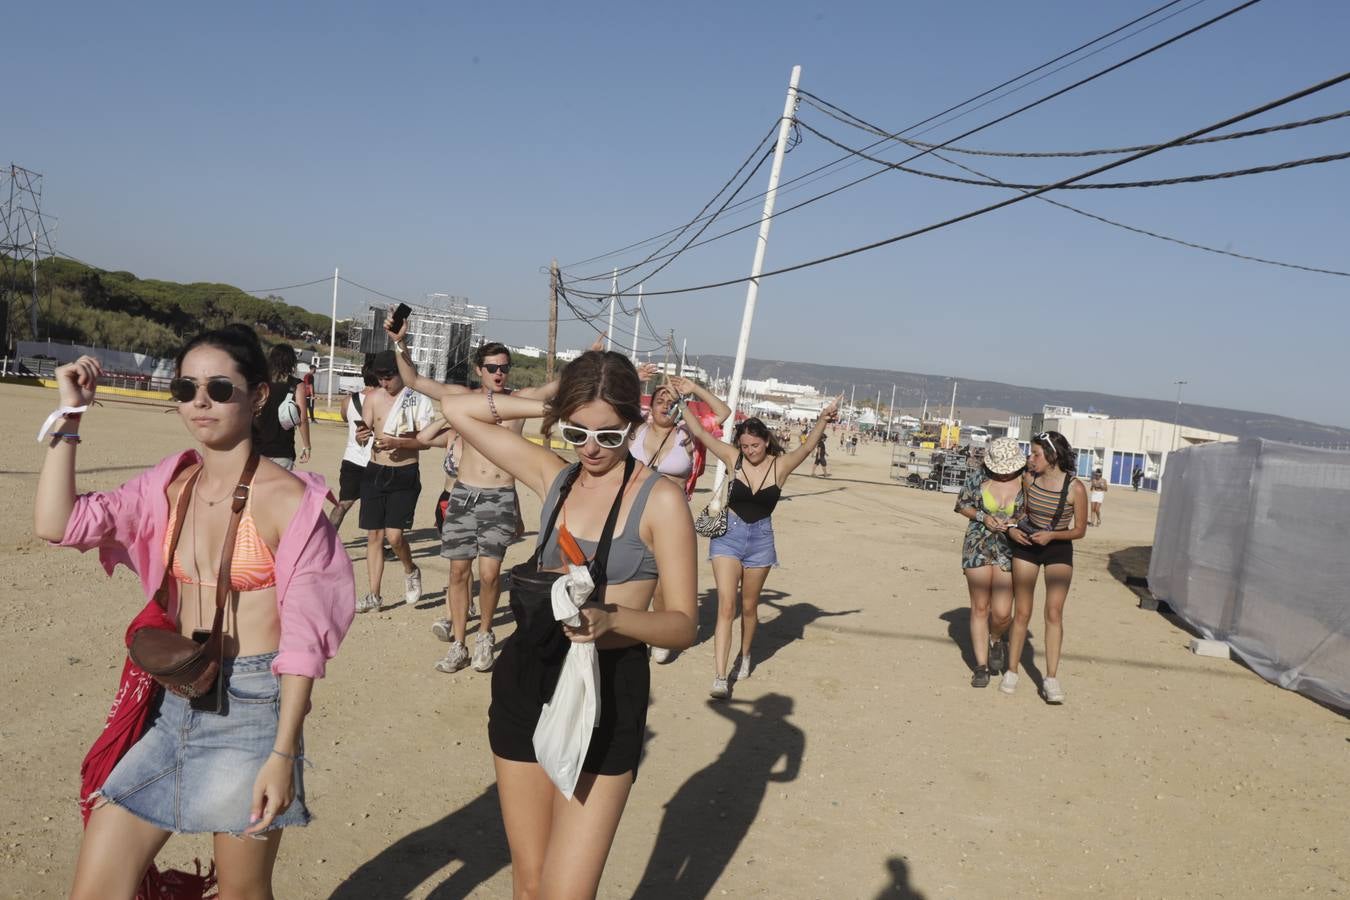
<point x="752" y="506"/>
<point x="270" y="438"/>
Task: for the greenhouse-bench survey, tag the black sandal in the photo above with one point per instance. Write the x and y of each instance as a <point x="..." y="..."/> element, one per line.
<point x="980" y="678"/>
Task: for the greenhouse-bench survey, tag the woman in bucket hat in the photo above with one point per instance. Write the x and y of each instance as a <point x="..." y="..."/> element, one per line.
<point x="992" y="500"/>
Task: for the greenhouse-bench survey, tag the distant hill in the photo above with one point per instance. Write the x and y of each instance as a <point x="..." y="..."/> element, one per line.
<point x="985" y="396"/>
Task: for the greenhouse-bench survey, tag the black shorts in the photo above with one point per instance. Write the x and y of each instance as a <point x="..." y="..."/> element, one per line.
<point x="1052" y="554"/>
<point x="389" y="496"/>
<point x="349" y="481"/>
<point x="616" y="743"/>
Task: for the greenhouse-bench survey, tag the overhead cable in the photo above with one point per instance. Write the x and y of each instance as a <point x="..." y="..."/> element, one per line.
<point x="992" y="122"/>
<point x="1144" y="231"/>
<point x="849" y="118"/>
<point x="1233" y="120"/>
<point x="787" y="186"/>
<point x="1095" y="186"/>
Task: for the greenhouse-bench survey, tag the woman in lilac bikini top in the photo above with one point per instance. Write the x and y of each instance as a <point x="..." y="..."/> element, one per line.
<point x="663" y="442"/>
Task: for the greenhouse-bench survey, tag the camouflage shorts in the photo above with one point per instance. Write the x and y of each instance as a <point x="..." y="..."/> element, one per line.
<point x="478" y="522"/>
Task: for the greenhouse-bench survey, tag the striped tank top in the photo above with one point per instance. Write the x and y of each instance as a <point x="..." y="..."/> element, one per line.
<point x="1043" y="502"/>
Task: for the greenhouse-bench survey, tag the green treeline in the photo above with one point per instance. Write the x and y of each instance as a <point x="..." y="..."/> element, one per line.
<point x="119" y="311"/>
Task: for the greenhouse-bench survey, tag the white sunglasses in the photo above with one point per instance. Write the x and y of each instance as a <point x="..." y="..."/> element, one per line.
<point x="609" y="438"/>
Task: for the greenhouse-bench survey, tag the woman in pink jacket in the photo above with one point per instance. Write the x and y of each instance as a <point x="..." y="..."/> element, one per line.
<point x="235" y="772"/>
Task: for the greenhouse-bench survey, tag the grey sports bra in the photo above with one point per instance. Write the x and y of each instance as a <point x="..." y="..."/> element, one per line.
<point x="629" y="558"/>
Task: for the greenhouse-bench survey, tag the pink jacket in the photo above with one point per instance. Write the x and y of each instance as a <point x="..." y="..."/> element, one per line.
<point x="316" y="595"/>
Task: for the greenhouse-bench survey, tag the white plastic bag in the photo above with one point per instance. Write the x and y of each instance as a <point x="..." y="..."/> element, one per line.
<point x="563" y="734"/>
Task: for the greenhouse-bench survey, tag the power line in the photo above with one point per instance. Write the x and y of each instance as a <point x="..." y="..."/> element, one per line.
<point x="1110" y="185"/>
<point x="1275" y="104"/>
<point x="1153" y="234"/>
<point x="842" y="115"/>
<point x="1098" y="74"/>
<point x="787" y="186"/>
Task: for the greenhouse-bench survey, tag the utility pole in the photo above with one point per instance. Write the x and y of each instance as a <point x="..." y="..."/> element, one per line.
<point x="552" y="320"/>
<point x="23" y="242"/>
<point x="891" y="417"/>
<point x="1176" y="418"/>
<point x="637" y="319"/>
<point x="670" y="347"/>
<point x="332" y="340"/>
<point x="613" y="295"/>
<point x="757" y="266"/>
<point x="951" y="411"/>
<point x="684" y="350"/>
<point x="852" y="410"/>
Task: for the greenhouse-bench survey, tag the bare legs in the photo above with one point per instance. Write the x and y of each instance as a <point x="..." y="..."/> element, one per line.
<point x="1024" y="599"/>
<point x="340" y="512"/>
<point x="489" y="591"/>
<point x="118" y="847"/>
<point x="978" y="583"/>
<point x="1095" y="514"/>
<point x="534" y="812"/>
<point x="375" y="559"/>
<point x="1057" y="580"/>
<point x="457" y="596"/>
<point x="735" y="583"/>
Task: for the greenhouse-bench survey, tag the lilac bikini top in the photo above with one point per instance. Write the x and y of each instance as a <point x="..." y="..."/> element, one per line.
<point x="675" y="458"/>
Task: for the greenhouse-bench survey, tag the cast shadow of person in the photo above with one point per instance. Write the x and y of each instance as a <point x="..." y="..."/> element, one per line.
<point x="899" y="888"/>
<point x="958" y="629"/>
<point x="471" y="834"/>
<point x="711" y="813"/>
<point x="789" y="625"/>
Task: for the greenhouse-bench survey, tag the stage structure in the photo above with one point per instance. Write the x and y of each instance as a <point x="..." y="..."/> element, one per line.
<point x="442" y="333"/>
<point x="24" y="242"/>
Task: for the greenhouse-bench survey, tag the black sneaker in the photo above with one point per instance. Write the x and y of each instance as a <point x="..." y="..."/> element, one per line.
<point x="998" y="657"/>
<point x="980" y="678"/>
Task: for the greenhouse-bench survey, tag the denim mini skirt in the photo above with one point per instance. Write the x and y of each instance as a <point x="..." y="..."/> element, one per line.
<point x="192" y="772"/>
<point x="749" y="542"/>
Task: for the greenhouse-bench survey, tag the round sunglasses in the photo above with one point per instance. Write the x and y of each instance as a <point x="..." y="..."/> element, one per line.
<point x="219" y="389"/>
<point x="609" y="438"/>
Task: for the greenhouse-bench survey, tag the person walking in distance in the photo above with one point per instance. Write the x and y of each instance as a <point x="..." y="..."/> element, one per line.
<point x="992" y="500"/>
<point x="222" y="755"/>
<point x="820" y="462"/>
<point x="391" y="482"/>
<point x="741" y="557"/>
<point x="480" y="514"/>
<point x="356" y="455"/>
<point x="1055" y="517"/>
<point x="1096" y="497"/>
<point x="284" y="412"/>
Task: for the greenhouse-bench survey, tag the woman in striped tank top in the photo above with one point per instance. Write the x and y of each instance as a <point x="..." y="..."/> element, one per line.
<point x="1056" y="515"/>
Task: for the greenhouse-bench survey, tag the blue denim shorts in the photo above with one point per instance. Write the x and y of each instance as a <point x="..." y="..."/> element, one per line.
<point x="749" y="542"/>
<point x="192" y="772"/>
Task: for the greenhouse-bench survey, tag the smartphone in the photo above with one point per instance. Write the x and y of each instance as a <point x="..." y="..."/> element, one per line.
<point x="401" y="313"/>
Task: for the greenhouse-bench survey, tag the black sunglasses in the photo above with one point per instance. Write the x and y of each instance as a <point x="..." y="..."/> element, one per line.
<point x="494" y="368"/>
<point x="220" y="389"/>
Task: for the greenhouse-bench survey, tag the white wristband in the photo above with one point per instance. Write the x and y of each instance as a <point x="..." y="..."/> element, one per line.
<point x="59" y="412"/>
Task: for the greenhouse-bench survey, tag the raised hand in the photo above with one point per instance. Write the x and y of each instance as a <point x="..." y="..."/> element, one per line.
<point x="647" y="371"/>
<point x="77" y="381"/>
<point x="395" y="336"/>
<point x="831" y="410"/>
<point x="682" y="385"/>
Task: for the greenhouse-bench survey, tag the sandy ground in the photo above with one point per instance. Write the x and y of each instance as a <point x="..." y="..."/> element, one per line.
<point x="857" y="762"/>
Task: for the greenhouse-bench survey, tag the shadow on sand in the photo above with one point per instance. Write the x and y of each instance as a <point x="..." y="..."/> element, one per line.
<point x="471" y="835"/>
<point x="899" y="888"/>
<point x="958" y="631"/>
<point x="711" y="813"/>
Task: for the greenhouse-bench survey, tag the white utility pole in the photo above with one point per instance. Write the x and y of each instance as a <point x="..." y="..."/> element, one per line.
<point x="1176" y="418"/>
<point x="891" y="417"/>
<point x="757" y="266"/>
<point x="852" y="410"/>
<point x="951" y="411"/>
<point x="332" y="340"/>
<point x="613" y="294"/>
<point x="684" y="348"/>
<point x="637" y="318"/>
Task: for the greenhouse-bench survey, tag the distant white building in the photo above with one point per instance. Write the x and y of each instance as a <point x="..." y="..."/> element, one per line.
<point x="772" y="387"/>
<point x="1119" y="446"/>
<point x="531" y="352"/>
<point x="566" y="355"/>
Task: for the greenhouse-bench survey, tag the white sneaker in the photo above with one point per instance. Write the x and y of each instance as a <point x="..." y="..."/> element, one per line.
<point x="719" y="690"/>
<point x="482" y="651"/>
<point x="1009" y="683"/>
<point x="660" y="655"/>
<point x="744" y="671"/>
<point x="456" y="658"/>
<point x="412" y="587"/>
<point x="442" y="629"/>
<point x="1051" y="691"/>
<point x="473" y="607"/>
<point x="369" y="603"/>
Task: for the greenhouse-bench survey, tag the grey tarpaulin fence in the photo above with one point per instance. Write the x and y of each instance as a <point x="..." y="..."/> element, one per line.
<point x="1252" y="547"/>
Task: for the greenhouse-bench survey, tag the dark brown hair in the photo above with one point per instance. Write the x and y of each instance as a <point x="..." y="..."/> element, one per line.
<point x="756" y="428"/>
<point x="597" y="375"/>
<point x="491" y="348"/>
<point x="1057" y="451"/>
<point x="240" y="342"/>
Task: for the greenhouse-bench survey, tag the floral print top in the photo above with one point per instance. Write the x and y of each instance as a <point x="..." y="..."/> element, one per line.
<point x="983" y="547"/>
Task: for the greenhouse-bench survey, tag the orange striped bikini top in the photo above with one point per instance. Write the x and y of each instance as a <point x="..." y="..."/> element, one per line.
<point x="252" y="567"/>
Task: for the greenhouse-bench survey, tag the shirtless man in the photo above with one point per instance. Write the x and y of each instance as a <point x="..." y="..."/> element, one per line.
<point x="391" y="482"/>
<point x="480" y="517"/>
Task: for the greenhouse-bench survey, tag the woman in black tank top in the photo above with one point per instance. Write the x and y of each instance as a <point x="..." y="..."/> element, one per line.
<point x="741" y="558"/>
<point x="597" y="403"/>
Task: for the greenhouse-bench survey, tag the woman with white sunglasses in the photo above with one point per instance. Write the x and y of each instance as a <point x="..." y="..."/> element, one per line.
<point x="626" y="523"/>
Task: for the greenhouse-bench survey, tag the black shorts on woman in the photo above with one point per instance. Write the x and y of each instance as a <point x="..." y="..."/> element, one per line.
<point x="531" y="660"/>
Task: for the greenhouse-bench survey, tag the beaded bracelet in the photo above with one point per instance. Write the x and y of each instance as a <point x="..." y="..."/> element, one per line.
<point x="492" y="405"/>
<point x="71" y="436"/>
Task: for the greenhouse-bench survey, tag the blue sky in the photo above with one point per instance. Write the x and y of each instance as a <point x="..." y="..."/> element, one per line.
<point x="437" y="147"/>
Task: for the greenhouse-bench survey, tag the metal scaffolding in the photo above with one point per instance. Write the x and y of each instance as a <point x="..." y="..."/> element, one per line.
<point x="24" y="244"/>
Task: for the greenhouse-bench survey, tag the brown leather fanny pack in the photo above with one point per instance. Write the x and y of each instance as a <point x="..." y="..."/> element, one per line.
<point x="190" y="666"/>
